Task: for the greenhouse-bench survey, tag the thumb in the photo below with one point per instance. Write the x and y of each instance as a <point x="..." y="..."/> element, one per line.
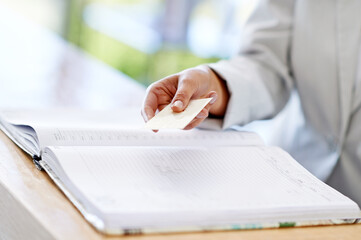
<point x="183" y="95"/>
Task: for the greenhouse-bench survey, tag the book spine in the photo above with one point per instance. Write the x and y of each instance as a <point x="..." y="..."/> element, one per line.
<point x="137" y="231"/>
<point x="36" y="161"/>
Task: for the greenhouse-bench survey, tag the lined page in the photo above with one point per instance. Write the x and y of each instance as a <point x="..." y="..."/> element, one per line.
<point x="117" y="128"/>
<point x="247" y="182"/>
<point x="144" y="137"/>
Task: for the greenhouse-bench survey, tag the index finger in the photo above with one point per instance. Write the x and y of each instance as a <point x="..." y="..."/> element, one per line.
<point x="150" y="106"/>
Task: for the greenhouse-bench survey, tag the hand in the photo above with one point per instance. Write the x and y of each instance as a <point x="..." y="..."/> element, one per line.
<point x="180" y="88"/>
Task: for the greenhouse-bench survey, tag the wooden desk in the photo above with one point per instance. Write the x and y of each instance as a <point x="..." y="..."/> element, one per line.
<point x="38" y="69"/>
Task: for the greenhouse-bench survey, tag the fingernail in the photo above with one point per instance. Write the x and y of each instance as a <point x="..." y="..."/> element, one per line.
<point x="201" y="115"/>
<point x="178" y="104"/>
<point x="213" y="100"/>
<point x="148" y="117"/>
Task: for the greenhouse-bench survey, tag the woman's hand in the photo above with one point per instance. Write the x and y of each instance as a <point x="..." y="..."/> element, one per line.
<point x="180" y="88"/>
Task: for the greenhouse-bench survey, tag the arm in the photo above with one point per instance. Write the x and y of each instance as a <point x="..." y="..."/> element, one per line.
<point x="258" y="78"/>
<point x="256" y="84"/>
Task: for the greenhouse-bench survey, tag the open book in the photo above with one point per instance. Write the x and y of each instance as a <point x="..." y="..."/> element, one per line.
<point x="128" y="180"/>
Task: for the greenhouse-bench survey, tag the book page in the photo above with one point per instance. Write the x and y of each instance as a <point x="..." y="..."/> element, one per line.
<point x="28" y="127"/>
<point x="144" y="137"/>
<point x="213" y="184"/>
<point x="101" y="128"/>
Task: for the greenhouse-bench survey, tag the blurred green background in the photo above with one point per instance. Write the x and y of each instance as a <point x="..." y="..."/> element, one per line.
<point x="145" y="39"/>
<point x="143" y="66"/>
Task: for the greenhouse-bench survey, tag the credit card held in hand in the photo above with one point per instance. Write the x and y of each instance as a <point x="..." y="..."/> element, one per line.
<point x="167" y="119"/>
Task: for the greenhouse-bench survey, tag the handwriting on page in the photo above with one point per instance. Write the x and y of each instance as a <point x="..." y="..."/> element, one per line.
<point x="169" y="119"/>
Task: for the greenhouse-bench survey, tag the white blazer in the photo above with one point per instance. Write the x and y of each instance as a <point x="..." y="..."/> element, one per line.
<point x="312" y="46"/>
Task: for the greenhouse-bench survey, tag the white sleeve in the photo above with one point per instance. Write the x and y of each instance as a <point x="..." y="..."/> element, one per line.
<point x="258" y="78"/>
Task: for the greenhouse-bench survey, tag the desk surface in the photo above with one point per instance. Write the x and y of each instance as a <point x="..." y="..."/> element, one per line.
<point x="39" y="70"/>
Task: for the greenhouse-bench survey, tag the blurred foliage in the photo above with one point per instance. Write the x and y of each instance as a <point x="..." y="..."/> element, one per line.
<point x="142" y="67"/>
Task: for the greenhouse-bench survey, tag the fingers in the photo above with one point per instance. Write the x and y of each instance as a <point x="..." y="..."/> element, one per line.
<point x="204" y="113"/>
<point x="214" y="96"/>
<point x="157" y="95"/>
<point x="197" y="120"/>
<point x="150" y="106"/>
<point x="186" y="89"/>
<point x="178" y="89"/>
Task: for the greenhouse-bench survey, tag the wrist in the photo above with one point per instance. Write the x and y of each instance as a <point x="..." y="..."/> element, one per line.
<point x="220" y="87"/>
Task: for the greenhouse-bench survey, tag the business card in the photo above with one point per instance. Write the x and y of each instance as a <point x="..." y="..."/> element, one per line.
<point x="167" y="119"/>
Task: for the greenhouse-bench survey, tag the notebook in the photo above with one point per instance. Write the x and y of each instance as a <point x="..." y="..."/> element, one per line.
<point x="125" y="179"/>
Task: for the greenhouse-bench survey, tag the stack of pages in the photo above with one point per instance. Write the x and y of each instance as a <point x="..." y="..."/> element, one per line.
<point x="125" y="179"/>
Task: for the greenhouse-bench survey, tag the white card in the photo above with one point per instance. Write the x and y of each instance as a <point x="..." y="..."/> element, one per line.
<point x="169" y="119"/>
